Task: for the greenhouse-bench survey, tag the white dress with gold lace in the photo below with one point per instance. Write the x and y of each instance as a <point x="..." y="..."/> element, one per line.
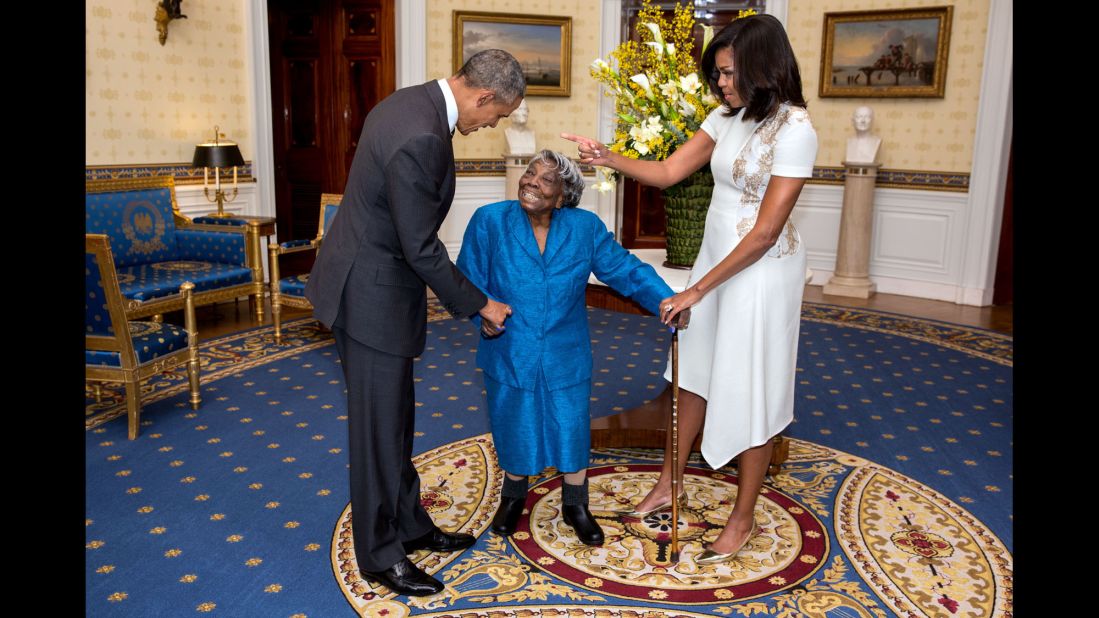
<point x="740" y="351"/>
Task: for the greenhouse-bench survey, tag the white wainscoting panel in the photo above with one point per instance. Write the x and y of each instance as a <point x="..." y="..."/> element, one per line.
<point x="917" y="242"/>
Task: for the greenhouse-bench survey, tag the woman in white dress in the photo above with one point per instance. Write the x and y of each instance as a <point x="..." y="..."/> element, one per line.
<point x="739" y="355"/>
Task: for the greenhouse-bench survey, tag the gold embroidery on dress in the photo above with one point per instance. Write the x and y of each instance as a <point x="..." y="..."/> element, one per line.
<point x="745" y="225"/>
<point x="754" y="183"/>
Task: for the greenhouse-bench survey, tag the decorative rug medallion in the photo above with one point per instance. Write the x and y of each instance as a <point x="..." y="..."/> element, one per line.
<point x="920" y="550"/>
<point x="905" y="549"/>
<point x="635" y="561"/>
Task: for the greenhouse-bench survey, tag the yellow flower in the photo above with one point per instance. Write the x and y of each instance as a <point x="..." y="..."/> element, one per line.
<point x="593" y="582"/>
<point x="723" y="593"/>
<point x="658" y="594"/>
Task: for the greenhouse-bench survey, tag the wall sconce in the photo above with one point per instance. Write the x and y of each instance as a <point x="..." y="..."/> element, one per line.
<point x="218" y="154"/>
<point x="166" y="11"/>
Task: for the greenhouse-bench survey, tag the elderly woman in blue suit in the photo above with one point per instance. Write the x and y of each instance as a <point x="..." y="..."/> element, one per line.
<point x="536" y="254"/>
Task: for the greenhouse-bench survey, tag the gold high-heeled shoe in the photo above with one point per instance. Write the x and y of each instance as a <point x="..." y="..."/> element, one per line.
<point x="709" y="556"/>
<point x="639" y="514"/>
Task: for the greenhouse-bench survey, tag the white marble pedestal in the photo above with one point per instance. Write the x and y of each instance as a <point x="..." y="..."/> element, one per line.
<point x="852" y="274"/>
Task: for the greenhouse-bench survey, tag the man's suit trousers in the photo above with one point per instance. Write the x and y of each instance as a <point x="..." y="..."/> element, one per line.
<point x="385" y="488"/>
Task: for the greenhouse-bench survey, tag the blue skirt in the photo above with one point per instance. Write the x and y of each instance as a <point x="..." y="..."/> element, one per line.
<point x="540" y="428"/>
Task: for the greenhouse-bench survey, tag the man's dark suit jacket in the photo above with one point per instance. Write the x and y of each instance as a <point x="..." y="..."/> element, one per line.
<point x="383" y="245"/>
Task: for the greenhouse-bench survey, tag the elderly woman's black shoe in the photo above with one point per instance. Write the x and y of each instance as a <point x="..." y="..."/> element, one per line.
<point x="580" y="518"/>
<point x="507" y="516"/>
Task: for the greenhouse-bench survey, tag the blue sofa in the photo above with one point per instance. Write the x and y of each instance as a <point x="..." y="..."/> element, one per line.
<point x="156" y="248"/>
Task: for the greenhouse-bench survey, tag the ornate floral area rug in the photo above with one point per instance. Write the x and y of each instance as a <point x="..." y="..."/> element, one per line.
<point x="896" y="499"/>
<point x="840" y="536"/>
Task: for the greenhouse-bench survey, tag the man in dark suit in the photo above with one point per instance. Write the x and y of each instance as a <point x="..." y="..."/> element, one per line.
<point x="368" y="286"/>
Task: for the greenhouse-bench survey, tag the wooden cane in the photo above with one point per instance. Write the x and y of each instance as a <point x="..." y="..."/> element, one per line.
<point x="676" y="480"/>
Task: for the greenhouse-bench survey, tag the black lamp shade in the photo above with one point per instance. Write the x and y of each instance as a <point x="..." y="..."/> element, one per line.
<point x="224" y="154"/>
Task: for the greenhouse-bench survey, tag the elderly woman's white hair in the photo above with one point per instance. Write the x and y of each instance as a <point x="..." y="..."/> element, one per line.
<point x="571" y="180"/>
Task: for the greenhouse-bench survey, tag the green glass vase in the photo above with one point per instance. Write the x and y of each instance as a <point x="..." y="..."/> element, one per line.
<point x="685" y="206"/>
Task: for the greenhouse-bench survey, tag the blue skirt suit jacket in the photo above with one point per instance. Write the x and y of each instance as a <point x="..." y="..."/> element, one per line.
<point x="543" y="359"/>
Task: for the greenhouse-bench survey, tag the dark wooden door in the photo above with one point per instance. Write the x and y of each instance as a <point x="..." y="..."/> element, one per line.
<point x="331" y="62"/>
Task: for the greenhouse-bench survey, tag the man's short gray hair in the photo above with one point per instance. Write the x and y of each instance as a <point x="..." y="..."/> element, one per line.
<point x="572" y="181"/>
<point x="498" y="71"/>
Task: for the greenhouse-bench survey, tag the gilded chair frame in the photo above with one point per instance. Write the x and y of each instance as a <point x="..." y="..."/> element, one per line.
<point x="130" y="371"/>
<point x="278" y="299"/>
<point x="158" y="306"/>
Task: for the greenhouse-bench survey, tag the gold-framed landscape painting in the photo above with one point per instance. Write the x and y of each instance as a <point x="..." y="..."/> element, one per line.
<point x="887" y="53"/>
<point x="541" y="43"/>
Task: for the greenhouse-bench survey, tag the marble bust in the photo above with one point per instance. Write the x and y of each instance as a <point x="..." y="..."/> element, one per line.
<point x="863" y="148"/>
<point x="520" y="137"/>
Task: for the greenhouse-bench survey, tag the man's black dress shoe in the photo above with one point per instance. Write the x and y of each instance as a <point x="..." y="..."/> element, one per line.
<point x="507" y="516"/>
<point x="407" y="579"/>
<point x="438" y="540"/>
<point x="579" y="517"/>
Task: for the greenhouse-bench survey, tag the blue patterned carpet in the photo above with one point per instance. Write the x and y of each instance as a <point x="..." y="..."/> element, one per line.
<point x="239" y="509"/>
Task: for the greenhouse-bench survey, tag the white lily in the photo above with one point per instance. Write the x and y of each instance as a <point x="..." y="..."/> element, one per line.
<point x="686" y="108"/>
<point x="689" y="83"/>
<point x="657" y="47"/>
<point x="659" y="38"/>
<point x="707" y="36"/>
<point x="641" y="147"/>
<point x="669" y="90"/>
<point x="643" y="80"/>
<point x="599" y="64"/>
<point x="603" y="186"/>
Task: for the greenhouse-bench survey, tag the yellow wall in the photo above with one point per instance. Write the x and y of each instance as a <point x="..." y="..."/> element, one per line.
<point x="147" y="103"/>
<point x="917" y="134"/>
<point x="548" y="115"/>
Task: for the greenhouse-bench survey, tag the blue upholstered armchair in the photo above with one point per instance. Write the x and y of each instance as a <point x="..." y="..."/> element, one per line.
<point x="120" y="350"/>
<point x="156" y="248"/>
<point x="290" y="291"/>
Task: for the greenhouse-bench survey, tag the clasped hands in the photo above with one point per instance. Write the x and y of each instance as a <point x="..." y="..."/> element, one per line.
<point x="493" y="315"/>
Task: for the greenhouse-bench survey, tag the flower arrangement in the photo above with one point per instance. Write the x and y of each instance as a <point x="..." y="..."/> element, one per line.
<point x="659" y="99"/>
